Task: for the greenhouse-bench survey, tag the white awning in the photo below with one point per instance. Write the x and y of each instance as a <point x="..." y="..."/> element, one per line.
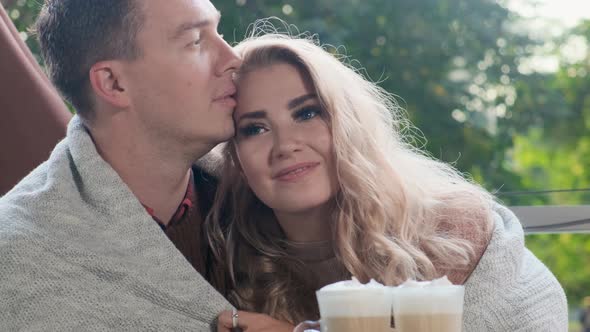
<point x="554" y="218"/>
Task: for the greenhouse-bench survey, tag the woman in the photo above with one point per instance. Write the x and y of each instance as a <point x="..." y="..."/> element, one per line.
<point x="326" y="185"/>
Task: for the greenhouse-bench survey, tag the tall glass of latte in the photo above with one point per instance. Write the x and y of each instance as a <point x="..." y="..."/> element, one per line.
<point x="428" y="306"/>
<point x="349" y="306"/>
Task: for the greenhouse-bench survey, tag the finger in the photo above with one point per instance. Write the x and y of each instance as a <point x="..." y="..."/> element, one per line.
<point x="245" y="318"/>
<point x="307" y="325"/>
<point x="224" y="321"/>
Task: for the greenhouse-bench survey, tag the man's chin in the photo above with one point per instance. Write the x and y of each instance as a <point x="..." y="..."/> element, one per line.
<point x="229" y="133"/>
<point x="222" y="137"/>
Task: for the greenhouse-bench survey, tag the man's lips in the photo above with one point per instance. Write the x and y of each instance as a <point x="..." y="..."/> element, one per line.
<point x="228" y="101"/>
<point x="227" y="97"/>
<point x="295" y="172"/>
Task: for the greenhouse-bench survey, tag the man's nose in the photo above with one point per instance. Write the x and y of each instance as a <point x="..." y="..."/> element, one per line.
<point x="229" y="60"/>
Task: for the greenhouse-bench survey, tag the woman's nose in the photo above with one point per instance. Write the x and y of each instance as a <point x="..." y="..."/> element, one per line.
<point x="286" y="143"/>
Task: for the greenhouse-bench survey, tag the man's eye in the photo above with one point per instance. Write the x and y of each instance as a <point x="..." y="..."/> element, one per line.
<point x="251" y="130"/>
<point x="197" y="42"/>
<point x="307" y="113"/>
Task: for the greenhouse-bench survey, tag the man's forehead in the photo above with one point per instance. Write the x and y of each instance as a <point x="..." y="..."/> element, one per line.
<point x="173" y="12"/>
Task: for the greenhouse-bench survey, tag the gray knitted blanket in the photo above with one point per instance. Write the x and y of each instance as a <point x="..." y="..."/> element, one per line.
<point x="78" y="252"/>
<point x="510" y="289"/>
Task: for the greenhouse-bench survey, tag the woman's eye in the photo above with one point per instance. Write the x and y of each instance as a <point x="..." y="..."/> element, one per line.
<point x="251" y="130"/>
<point x="307" y="113"/>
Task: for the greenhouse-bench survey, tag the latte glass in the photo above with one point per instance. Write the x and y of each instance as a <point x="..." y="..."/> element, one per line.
<point x="428" y="308"/>
<point x="349" y="306"/>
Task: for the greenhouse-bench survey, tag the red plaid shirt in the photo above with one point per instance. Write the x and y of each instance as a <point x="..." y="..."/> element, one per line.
<point x="184" y="228"/>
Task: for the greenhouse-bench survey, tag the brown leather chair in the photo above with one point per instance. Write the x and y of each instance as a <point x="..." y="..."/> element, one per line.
<point x="33" y="117"/>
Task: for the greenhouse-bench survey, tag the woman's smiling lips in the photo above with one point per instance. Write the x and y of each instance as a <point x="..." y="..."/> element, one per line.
<point x="295" y="172"/>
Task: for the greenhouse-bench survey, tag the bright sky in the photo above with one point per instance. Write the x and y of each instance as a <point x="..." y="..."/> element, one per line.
<point x="545" y="19"/>
<point x="568" y="12"/>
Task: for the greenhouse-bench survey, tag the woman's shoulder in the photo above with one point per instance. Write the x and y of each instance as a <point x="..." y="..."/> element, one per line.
<point x="505" y="256"/>
<point x="511" y="285"/>
<point x="473" y="225"/>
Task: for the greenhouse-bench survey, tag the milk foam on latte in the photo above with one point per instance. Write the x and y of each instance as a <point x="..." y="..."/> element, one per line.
<point x="438" y="295"/>
<point x="428" y="306"/>
<point x="350" y="297"/>
<point x="349" y="306"/>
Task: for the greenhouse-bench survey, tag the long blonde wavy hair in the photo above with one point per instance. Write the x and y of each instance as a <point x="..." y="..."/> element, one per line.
<point x="399" y="213"/>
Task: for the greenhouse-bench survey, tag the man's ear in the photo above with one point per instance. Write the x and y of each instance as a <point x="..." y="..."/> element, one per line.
<point x="108" y="84"/>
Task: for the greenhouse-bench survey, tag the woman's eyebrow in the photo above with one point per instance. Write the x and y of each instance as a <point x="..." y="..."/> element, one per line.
<point x="252" y="115"/>
<point x="300" y="100"/>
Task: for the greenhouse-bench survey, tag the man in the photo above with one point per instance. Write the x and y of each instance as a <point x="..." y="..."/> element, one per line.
<point x="106" y="233"/>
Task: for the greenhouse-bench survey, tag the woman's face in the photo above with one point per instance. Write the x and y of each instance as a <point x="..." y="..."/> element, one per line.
<point x="283" y="142"/>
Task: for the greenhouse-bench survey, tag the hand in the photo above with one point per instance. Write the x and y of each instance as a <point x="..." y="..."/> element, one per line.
<point x="308" y="325"/>
<point x="251" y="322"/>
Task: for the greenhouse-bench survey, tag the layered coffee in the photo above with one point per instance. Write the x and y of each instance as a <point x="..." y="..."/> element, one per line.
<point x="428" y="323"/>
<point x="428" y="306"/>
<point x="350" y="306"/>
<point x="356" y="324"/>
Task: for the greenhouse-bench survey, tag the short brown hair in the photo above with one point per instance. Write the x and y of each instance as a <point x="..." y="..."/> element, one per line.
<point x="75" y="34"/>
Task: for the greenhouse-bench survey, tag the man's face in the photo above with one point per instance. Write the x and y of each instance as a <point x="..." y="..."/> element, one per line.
<point x="181" y="87"/>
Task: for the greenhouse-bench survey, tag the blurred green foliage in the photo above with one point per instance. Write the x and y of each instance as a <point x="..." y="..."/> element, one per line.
<point x="456" y="66"/>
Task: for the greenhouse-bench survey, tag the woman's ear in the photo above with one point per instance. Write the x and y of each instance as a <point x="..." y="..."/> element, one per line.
<point x="235" y="156"/>
<point x="243" y="176"/>
<point x="108" y="84"/>
<point x="238" y="166"/>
